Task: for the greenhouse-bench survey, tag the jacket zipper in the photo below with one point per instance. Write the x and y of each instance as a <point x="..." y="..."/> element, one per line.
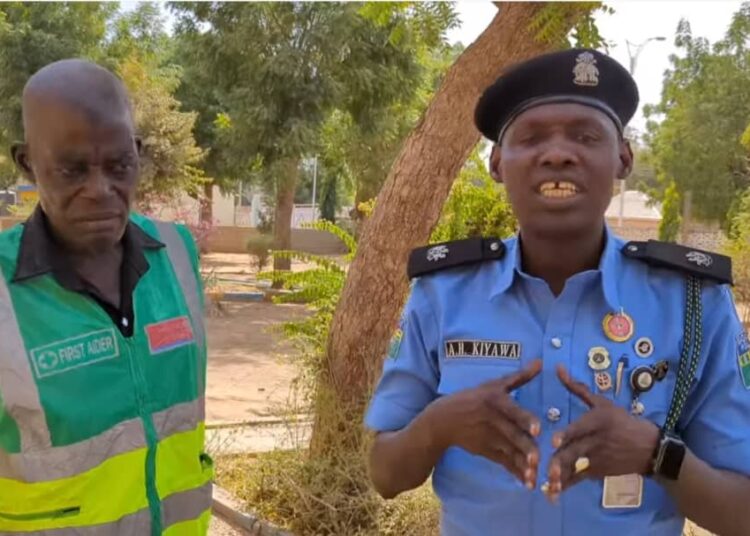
<point x="36" y="516"/>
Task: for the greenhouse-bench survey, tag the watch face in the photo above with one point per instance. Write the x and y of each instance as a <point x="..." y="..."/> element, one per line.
<point x="670" y="457"/>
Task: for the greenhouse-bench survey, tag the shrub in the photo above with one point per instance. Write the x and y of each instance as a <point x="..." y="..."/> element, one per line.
<point x="259" y="247"/>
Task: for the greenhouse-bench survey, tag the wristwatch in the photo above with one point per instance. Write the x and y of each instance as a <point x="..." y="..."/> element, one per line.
<point x="669" y="456"/>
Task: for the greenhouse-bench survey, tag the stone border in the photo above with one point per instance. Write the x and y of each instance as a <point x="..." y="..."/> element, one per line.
<point x="229" y="509"/>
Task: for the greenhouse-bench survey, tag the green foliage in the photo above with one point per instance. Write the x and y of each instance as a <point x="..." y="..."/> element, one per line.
<point x="340" y="88"/>
<point x="552" y="24"/>
<point x="704" y="113"/>
<point x="133" y="44"/>
<point x="738" y="247"/>
<point x="32" y="35"/>
<point x="669" y="227"/>
<point x="476" y="206"/>
<point x="259" y="248"/>
<point x="171" y="158"/>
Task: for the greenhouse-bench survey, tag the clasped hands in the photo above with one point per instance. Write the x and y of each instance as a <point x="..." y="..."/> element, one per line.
<point x="605" y="441"/>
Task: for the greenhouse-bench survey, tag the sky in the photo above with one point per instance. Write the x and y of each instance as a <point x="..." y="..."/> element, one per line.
<point x="634" y="21"/>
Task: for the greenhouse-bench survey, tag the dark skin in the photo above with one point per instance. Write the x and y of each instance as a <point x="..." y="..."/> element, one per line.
<point x="561" y="236"/>
<point x="82" y="153"/>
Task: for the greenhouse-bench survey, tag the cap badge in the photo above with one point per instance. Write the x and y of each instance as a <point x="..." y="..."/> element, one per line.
<point x="437" y="253"/>
<point x="585" y="72"/>
<point x="699" y="258"/>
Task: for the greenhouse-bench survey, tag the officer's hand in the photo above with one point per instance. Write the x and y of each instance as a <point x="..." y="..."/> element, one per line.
<point x="486" y="421"/>
<point x="613" y="441"/>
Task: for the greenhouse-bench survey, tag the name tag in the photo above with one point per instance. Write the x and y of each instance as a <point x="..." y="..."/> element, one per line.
<point x="486" y="349"/>
<point x="624" y="491"/>
<point x="70" y="354"/>
<point x="170" y="334"/>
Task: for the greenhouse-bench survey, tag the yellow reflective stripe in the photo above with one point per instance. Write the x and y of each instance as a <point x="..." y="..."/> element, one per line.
<point x="178" y="463"/>
<point x="104" y="494"/>
<point x="131" y="525"/>
<point x="63" y="462"/>
<point x="20" y="392"/>
<point x="187" y="505"/>
<point x="195" y="527"/>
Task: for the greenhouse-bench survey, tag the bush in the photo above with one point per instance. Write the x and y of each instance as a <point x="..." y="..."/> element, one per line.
<point x="669" y="227"/>
<point x="259" y="247"/>
<point x="476" y="206"/>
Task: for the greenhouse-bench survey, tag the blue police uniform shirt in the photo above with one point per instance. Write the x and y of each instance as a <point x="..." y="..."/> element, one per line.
<point x="495" y="301"/>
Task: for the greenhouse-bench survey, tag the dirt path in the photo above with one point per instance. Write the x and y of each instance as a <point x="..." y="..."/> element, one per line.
<point x="250" y="365"/>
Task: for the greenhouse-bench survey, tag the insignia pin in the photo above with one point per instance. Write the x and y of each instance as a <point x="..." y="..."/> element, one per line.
<point x="603" y="381"/>
<point x="642" y="379"/>
<point x="599" y="358"/>
<point x="637" y="407"/>
<point x="620" y="370"/>
<point x="644" y="347"/>
<point x="618" y="327"/>
<point x="660" y="370"/>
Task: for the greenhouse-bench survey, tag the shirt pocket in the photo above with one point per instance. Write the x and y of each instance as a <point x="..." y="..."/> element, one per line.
<point x="459" y="374"/>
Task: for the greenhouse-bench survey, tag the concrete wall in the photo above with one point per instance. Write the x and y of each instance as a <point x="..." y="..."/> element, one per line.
<point x="226" y="239"/>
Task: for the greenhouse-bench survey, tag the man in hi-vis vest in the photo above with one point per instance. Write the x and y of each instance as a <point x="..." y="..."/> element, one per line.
<point x="102" y="343"/>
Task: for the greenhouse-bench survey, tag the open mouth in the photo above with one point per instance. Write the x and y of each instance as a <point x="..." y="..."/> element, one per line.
<point x="558" y="189"/>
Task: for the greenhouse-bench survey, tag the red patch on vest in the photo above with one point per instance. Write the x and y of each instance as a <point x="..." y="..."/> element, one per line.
<point x="170" y="334"/>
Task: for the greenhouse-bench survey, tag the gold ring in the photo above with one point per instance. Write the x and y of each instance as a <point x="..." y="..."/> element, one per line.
<point x="582" y="464"/>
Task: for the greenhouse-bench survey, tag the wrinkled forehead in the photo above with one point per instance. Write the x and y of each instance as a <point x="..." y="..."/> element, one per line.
<point x="54" y="124"/>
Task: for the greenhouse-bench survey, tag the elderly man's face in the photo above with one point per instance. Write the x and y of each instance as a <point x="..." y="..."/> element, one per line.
<point x="558" y="163"/>
<point x="86" y="169"/>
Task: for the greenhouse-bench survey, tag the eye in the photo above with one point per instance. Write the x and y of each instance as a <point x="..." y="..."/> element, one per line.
<point x="121" y="167"/>
<point x="587" y="137"/>
<point x="72" y="171"/>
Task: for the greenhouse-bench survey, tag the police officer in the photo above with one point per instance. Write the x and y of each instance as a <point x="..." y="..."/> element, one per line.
<point x="564" y="382"/>
<point x="102" y="347"/>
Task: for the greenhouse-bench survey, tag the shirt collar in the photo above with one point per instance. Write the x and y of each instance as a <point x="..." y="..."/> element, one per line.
<point x="608" y="269"/>
<point x="40" y="254"/>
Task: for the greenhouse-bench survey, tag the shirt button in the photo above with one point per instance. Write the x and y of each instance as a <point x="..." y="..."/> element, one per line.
<point x="125" y="322"/>
<point x="556" y="342"/>
<point x="553" y="414"/>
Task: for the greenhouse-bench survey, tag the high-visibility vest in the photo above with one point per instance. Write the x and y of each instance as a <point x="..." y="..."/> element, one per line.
<point x="102" y="434"/>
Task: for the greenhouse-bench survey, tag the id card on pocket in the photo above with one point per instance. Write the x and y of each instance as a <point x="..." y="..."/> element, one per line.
<point x="624" y="491"/>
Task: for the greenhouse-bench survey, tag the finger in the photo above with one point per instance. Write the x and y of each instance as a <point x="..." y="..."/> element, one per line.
<point x="504" y="454"/>
<point x="571" y="464"/>
<point x="521" y="442"/>
<point x="523" y="376"/>
<point x="524" y="420"/>
<point x="587" y="425"/>
<point x="577" y="388"/>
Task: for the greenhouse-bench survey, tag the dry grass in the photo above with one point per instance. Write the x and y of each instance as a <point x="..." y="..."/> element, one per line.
<point x="313" y="498"/>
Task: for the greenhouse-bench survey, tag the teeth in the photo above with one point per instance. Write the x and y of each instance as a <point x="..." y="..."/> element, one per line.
<point x="558" y="189"/>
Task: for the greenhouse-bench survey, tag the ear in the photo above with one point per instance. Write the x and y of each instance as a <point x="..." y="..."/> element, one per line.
<point x="626" y="159"/>
<point x="20" y="154"/>
<point x="495" y="158"/>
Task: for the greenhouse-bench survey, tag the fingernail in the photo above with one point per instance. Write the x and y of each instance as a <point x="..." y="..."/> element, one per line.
<point x="529" y="485"/>
<point x="534" y="430"/>
<point x="557" y="441"/>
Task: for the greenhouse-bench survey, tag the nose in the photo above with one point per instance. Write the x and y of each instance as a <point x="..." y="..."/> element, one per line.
<point x="557" y="155"/>
<point x="98" y="184"/>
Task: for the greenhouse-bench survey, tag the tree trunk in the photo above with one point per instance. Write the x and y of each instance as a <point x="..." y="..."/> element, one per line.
<point x="207" y="204"/>
<point x="286" y="184"/>
<point x="406" y="211"/>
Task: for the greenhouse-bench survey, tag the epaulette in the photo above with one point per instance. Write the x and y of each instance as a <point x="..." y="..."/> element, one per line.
<point x="429" y="259"/>
<point x="692" y="261"/>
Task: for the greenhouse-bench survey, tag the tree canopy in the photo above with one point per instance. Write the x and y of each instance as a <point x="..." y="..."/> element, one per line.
<point x="703" y="113"/>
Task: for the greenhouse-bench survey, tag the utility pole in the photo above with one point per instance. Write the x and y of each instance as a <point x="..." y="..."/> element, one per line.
<point x="633" y="52"/>
<point x="315" y="184"/>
